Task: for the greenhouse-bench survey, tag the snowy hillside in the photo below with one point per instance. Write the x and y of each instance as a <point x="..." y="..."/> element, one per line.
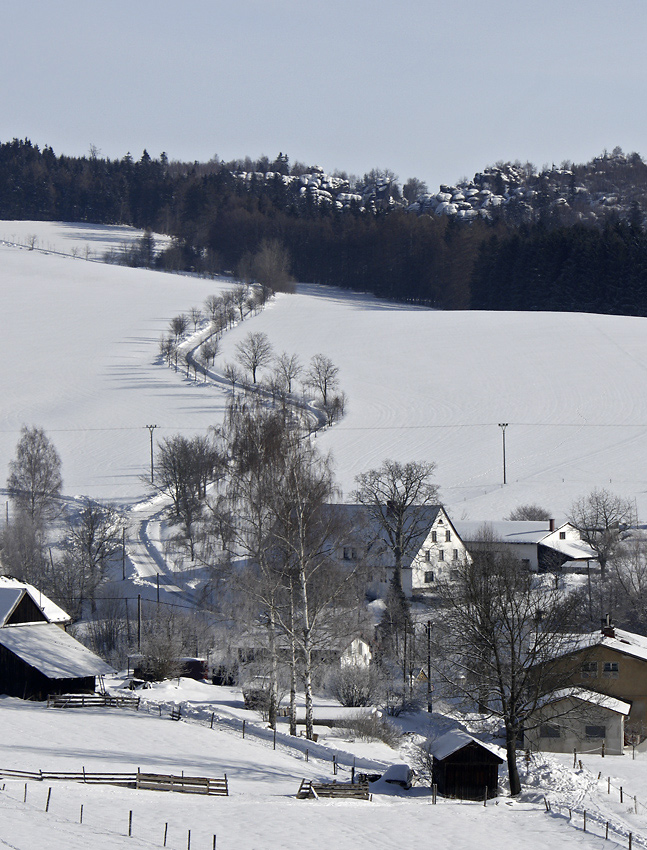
<point x="261" y="810"/>
<point x="80" y="345"/>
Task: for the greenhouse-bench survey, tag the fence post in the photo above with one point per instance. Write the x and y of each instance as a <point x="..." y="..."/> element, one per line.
<point x="81" y="814"/>
<point x="584" y="820"/>
<point x="212" y="715"/>
<point x="606" y="834"/>
<point x="635" y="805"/>
<point x="306" y="754"/>
<point x="434" y="792"/>
<point x="602" y="749"/>
<point x="24" y="799"/>
<point x="130" y="824"/>
<point x="621" y="793"/>
<point x="49" y="794"/>
<point x="608" y="784"/>
<point x="630" y="837"/>
<point x="165" y="831"/>
<point x="214" y="843"/>
<point x="243" y="728"/>
<point x="485" y="797"/>
<point x="188" y="840"/>
<point x="574" y="759"/>
<point x="274" y="743"/>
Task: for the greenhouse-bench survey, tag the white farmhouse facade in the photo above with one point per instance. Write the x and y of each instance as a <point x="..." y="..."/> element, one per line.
<point x="434" y="551"/>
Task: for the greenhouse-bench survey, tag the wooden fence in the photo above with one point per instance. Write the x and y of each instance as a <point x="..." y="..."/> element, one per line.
<point x="92" y="700"/>
<point x="344" y="790"/>
<point x="145" y="781"/>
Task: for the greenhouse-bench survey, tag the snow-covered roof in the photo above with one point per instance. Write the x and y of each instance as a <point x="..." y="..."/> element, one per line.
<point x="627" y="643"/>
<point x="507" y="531"/>
<point x="601" y="700"/>
<point x="13" y="589"/>
<point x="525" y="531"/>
<point x="52" y="651"/>
<point x="366" y="529"/>
<point x="451" y="742"/>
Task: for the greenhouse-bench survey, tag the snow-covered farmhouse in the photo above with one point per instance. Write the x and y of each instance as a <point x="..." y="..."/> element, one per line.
<point x="435" y="549"/>
<point x="613" y="662"/>
<point x="539" y="545"/>
<point x="37" y="656"/>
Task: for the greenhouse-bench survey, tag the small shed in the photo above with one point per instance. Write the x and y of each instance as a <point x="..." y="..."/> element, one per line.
<point x="465" y="767"/>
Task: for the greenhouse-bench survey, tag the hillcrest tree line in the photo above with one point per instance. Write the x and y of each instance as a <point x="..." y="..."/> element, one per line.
<point x="531" y="253"/>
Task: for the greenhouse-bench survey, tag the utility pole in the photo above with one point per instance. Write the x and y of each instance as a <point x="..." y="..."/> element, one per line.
<point x="151" y="428"/>
<point x="429" y="687"/>
<point x="503" y="426"/>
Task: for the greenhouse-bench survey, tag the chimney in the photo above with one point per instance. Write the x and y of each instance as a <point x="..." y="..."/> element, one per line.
<point x="608" y="630"/>
<point x="551" y="525"/>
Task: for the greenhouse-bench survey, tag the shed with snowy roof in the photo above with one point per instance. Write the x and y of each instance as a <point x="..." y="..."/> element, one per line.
<point x="465" y="767"/>
<point x="37" y="656"/>
<point x="578" y="719"/>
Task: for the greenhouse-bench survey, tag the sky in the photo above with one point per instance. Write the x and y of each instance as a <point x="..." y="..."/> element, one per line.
<point x="426" y="88"/>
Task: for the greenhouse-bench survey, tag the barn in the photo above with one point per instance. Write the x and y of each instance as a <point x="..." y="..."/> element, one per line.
<point x="37" y="656"/>
<point x="465" y="767"/>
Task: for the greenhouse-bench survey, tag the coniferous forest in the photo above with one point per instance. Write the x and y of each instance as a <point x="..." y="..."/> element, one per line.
<point x="568" y="239"/>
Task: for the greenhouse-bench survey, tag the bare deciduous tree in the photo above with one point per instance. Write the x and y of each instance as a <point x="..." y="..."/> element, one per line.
<point x="254" y="352"/>
<point x="94" y="537"/>
<point x="322" y="375"/>
<point x="396" y="495"/>
<point x="498" y="633"/>
<point x="35" y="481"/>
<point x="529" y="512"/>
<point x="602" y="518"/>
<point x="288" y="368"/>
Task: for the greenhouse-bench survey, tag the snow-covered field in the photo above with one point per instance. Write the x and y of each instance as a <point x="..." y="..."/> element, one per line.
<point x="261" y="811"/>
<point x="80" y="353"/>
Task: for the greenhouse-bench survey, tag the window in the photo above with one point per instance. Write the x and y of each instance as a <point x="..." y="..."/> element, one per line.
<point x="441" y="555"/>
<point x="454" y="575"/>
<point x="427" y="555"/>
<point x="547" y="730"/>
<point x="455" y="555"/>
<point x="595" y="731"/>
<point x="429" y="576"/>
<point x="562" y="535"/>
<point x="350" y="554"/>
<point x="434" y="536"/>
<point x="611" y="670"/>
<point x="589" y="670"/>
<point x="448" y="536"/>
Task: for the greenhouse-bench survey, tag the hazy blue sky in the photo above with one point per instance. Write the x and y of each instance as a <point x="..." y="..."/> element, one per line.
<point x="430" y="89"/>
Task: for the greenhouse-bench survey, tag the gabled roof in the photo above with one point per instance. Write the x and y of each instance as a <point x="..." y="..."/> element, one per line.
<point x="601" y="700"/>
<point x="369" y="531"/>
<point x="627" y="643"/>
<point x="526" y="531"/>
<point x="52" y="651"/>
<point x="12" y="591"/>
<point x="452" y="742"/>
<point x="506" y="531"/>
